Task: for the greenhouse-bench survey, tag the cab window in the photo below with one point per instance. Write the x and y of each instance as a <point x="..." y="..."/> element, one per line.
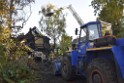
<point x="93" y="32"/>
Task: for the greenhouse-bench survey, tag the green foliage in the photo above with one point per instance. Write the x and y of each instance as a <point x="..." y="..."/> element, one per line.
<point x="11" y="13"/>
<point x="16" y="73"/>
<point x="13" y="59"/>
<point x="110" y="11"/>
<point x="10" y="54"/>
<point x="121" y="34"/>
<point x="14" y="64"/>
<point x="53" y="25"/>
<point x="65" y="44"/>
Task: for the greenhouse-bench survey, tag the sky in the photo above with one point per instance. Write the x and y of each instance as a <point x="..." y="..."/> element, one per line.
<point x="81" y="6"/>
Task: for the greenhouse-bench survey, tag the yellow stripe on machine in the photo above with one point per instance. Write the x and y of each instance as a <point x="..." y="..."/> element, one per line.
<point x="100" y="48"/>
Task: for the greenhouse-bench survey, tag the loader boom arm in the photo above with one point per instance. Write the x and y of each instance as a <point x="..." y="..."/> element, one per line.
<point x="75" y="14"/>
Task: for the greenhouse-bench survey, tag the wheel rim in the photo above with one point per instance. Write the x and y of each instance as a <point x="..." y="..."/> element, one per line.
<point x="97" y="77"/>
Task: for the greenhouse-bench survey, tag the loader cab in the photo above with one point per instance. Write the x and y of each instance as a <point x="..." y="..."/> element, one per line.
<point x="90" y="31"/>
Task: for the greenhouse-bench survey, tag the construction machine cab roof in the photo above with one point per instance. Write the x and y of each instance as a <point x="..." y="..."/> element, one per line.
<point x="90" y="23"/>
<point x="92" y="30"/>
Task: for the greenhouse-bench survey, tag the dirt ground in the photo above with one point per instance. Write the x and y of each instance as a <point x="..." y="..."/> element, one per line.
<point x="46" y="76"/>
<point x="58" y="79"/>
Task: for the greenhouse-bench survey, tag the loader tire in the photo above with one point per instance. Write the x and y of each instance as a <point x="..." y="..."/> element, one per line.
<point x="101" y="71"/>
<point x="67" y="70"/>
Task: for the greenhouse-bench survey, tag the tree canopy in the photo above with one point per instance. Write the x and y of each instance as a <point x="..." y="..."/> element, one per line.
<point x="10" y="49"/>
<point x="110" y="11"/>
<point x="13" y="12"/>
<point x="52" y="22"/>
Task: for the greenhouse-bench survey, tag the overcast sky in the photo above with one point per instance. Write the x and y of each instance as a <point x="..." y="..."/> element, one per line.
<point x="81" y="6"/>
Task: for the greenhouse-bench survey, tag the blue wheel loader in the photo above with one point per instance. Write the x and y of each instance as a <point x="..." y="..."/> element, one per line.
<point x="98" y="58"/>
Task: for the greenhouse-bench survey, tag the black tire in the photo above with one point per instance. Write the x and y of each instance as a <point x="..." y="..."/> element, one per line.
<point x="67" y="70"/>
<point x="101" y="71"/>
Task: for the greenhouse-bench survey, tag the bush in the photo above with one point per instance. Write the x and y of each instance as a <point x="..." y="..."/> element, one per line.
<point x="13" y="65"/>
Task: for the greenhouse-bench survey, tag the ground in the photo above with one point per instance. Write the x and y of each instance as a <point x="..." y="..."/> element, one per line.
<point x="49" y="78"/>
<point x="46" y="76"/>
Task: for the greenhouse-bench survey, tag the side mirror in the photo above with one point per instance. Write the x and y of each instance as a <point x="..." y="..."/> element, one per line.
<point x="76" y="31"/>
